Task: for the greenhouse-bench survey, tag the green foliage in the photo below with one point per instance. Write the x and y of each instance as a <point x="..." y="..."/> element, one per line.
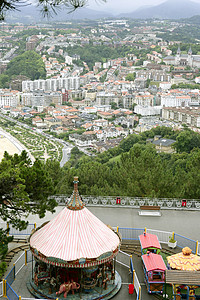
<point x="113" y="105"/>
<point x="130" y="76"/>
<point x="185" y="86"/>
<point x="134" y="168"/>
<point x="24" y="189"/>
<point x="4" y="81"/>
<point x="3" y="249"/>
<point x="29" y="64"/>
<point x="102" y="53"/>
<point x="172" y="240"/>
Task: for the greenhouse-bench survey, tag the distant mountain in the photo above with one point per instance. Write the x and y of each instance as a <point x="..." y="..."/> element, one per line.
<point x="171" y="9"/>
<point x="192" y="20"/>
<point x="32" y="14"/>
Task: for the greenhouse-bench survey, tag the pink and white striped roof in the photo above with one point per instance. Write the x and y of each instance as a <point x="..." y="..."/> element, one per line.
<point x="72" y="235"/>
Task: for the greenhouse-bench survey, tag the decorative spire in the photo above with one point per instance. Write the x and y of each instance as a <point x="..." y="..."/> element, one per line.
<point x="178" y="50"/>
<point x="75" y="203"/>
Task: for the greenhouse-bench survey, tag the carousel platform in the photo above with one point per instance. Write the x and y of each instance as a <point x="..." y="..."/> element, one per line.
<point x="42" y="291"/>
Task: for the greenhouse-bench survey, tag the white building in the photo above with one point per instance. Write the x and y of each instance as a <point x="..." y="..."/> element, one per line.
<point x="170" y="100"/>
<point x="68" y="60"/>
<point x="52" y="84"/>
<point x="9" y="98"/>
<point x="147" y="110"/>
<point x="165" y="85"/>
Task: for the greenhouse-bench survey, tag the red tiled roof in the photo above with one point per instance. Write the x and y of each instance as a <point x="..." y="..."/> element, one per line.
<point x="153" y="262"/>
<point x="149" y="240"/>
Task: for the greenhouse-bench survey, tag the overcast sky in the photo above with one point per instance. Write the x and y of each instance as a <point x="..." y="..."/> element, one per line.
<point x="118" y="6"/>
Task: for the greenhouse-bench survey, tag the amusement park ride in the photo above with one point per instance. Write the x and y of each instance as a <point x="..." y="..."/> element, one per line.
<point x="182" y="271"/>
<point x="75" y="255"/>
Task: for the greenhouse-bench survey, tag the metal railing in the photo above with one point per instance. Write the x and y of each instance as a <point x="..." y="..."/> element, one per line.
<point x="185" y="242"/>
<point x="20" y="263"/>
<point x="133" y="202"/>
<point x="11" y="276"/>
<point x="27" y="231"/>
<point x="163" y="236"/>
<point x="126" y="260"/>
<point x="130" y="233"/>
<point x="123" y="259"/>
<point x="198" y="248"/>
<point x="137" y="286"/>
<point x="10" y="293"/>
<point x="1" y="288"/>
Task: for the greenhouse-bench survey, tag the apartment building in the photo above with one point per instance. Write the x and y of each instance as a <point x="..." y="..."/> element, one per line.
<point x="51" y="84"/>
<point x="184" y="115"/>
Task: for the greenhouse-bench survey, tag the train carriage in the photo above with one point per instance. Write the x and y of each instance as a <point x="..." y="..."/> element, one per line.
<point x="154" y="272"/>
<point x="149" y="243"/>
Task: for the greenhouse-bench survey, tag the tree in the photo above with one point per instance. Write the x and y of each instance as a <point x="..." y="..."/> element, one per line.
<point x="113" y="105"/>
<point x="186" y="141"/>
<point x="3" y="249"/>
<point x="29" y="64"/>
<point x="48" y="6"/>
<point x="130" y="77"/>
<point x="24" y="189"/>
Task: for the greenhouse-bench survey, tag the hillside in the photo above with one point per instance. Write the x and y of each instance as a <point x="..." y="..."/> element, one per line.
<point x="171" y="9"/>
<point x="33" y="14"/>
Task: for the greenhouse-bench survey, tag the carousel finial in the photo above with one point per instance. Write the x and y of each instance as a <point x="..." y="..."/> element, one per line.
<point x="76" y="202"/>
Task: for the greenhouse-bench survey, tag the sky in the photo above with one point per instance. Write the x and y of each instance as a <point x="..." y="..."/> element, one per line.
<point x="120" y="6"/>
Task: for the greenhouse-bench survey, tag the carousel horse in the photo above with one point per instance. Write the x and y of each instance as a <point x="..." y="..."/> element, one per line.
<point x="113" y="276"/>
<point x="36" y="279"/>
<point x="74" y="286"/>
<point x="64" y="288"/>
<point x="106" y="279"/>
<point x="99" y="278"/>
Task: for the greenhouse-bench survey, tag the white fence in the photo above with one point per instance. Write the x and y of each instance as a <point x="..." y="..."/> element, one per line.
<point x="136" y="284"/>
<point x="31" y="299"/>
<point x="163" y="236"/>
<point x="22" y="233"/>
<point x="3" y="225"/>
<point x="198" y="249"/>
<point x="1" y="288"/>
<point x="134" y="202"/>
<point x="123" y="259"/>
<point x="20" y="263"/>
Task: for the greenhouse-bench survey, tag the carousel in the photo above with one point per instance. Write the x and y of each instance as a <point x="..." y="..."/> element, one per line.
<point x="184" y="275"/>
<point x="74" y="255"/>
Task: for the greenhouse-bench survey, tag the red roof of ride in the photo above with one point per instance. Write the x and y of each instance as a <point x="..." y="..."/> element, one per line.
<point x="149" y="240"/>
<point x="153" y="262"/>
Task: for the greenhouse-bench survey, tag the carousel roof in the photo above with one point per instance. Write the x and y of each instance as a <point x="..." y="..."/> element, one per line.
<point x="185" y="260"/>
<point x="74" y="233"/>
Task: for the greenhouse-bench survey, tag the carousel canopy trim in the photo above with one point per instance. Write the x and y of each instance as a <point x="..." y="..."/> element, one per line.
<point x="185" y="260"/>
<point x="153" y="262"/>
<point x="182" y="277"/>
<point x="148" y="240"/>
<point x="73" y="235"/>
<point x="75" y="265"/>
<point x="75" y="203"/>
